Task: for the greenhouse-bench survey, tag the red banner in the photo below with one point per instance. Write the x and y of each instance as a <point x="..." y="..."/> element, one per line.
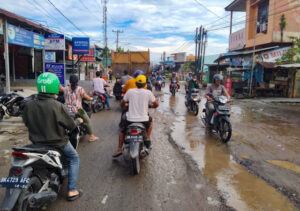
<point x="228" y="85"/>
<point x="89" y="57"/>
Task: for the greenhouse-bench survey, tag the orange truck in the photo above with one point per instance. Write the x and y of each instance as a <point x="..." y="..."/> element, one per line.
<point x="130" y="61"/>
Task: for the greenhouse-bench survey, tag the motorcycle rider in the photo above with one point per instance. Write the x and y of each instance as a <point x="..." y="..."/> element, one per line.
<point x="125" y="77"/>
<point x="138" y="100"/>
<point x="47" y="121"/>
<point x="99" y="84"/>
<point x="131" y="83"/>
<point x="74" y="95"/>
<point x="188" y="78"/>
<point x="214" y="90"/>
<point x="193" y="84"/>
<point x="174" y="78"/>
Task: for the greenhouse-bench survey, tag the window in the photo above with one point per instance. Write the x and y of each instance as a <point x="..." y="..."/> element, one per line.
<point x="262" y="17"/>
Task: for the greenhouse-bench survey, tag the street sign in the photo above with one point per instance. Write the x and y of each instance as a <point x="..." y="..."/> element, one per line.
<point x="59" y="70"/>
<point x="20" y="36"/>
<point x="81" y="45"/>
<point x="1" y="26"/>
<point x="55" y="42"/>
<point x="50" y="56"/>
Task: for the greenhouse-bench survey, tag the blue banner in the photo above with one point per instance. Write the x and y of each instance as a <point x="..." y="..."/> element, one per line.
<point x="59" y="70"/>
<point x="81" y="45"/>
<point x="50" y="57"/>
<point x="20" y="36"/>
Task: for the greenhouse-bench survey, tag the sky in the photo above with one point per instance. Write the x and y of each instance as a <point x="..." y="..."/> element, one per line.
<point x="158" y="25"/>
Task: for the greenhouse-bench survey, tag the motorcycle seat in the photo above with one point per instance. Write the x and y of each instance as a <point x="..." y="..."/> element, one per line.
<point x="34" y="148"/>
<point x="134" y="125"/>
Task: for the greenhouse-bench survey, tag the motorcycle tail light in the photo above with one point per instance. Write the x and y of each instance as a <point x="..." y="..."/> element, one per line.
<point x="216" y="113"/>
<point x="17" y="171"/>
<point x="19" y="155"/>
<point x="133" y="132"/>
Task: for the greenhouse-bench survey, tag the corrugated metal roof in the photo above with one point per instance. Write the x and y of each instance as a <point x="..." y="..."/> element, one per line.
<point x="7" y="14"/>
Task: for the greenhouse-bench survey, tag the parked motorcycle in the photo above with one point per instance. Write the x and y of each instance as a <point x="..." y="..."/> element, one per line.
<point x="193" y="101"/>
<point x="220" y="121"/>
<point x="173" y="87"/>
<point x="134" y="147"/>
<point x="158" y="85"/>
<point x="35" y="178"/>
<point x="13" y="104"/>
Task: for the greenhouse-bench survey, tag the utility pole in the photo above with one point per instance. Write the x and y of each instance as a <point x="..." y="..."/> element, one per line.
<point x="199" y="50"/>
<point x="196" y="48"/>
<point x="117" y="42"/>
<point x="105" y="29"/>
<point x="203" y="55"/>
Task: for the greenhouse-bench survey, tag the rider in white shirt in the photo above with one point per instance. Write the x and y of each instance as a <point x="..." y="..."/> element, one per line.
<point x="99" y="85"/>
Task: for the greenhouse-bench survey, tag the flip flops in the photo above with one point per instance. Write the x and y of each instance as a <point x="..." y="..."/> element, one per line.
<point x="73" y="198"/>
<point x="117" y="154"/>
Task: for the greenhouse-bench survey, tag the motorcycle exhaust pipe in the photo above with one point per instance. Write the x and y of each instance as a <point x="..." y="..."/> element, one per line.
<point x="37" y="200"/>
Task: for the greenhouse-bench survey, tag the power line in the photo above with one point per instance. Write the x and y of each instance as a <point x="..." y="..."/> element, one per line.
<point x="91" y="12"/>
<point x="202" y="5"/>
<point x="67" y="18"/>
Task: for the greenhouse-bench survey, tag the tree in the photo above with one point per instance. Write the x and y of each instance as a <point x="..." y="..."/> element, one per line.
<point x="282" y="25"/>
<point x="103" y="54"/>
<point x="188" y="66"/>
<point x="120" y="49"/>
<point x="293" y="54"/>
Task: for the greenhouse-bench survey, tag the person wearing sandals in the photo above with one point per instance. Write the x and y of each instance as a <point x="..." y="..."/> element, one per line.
<point x="74" y="95"/>
<point x="47" y="121"/>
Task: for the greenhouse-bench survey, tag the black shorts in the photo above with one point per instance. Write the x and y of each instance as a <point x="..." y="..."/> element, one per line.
<point x="124" y="123"/>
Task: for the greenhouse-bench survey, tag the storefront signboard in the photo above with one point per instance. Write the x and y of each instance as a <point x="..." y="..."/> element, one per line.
<point x="55" y="42"/>
<point x="89" y="57"/>
<point x="50" y="57"/>
<point x="271" y="56"/>
<point x="228" y="85"/>
<point x="59" y="69"/>
<point x="81" y="45"/>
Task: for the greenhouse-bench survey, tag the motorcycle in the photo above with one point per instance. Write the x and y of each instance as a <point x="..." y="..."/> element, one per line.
<point x="158" y="85"/>
<point x="13" y="104"/>
<point x="35" y="178"/>
<point x="98" y="103"/>
<point x="220" y="121"/>
<point x="193" y="101"/>
<point x="134" y="147"/>
<point x="173" y="87"/>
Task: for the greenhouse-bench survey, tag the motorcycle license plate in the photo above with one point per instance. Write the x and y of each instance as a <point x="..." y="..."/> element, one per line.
<point x="224" y="108"/>
<point x="134" y="137"/>
<point x="14" y="182"/>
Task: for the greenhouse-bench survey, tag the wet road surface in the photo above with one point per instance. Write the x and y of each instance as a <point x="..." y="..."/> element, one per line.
<point x="218" y="163"/>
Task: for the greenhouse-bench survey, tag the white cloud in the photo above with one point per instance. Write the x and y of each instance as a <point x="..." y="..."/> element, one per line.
<point x="160" y="25"/>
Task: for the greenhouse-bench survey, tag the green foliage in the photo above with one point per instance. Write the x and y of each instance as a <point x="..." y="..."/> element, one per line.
<point x="103" y="54"/>
<point x="189" y="66"/>
<point x="120" y="49"/>
<point x="292" y="55"/>
<point x="282" y="23"/>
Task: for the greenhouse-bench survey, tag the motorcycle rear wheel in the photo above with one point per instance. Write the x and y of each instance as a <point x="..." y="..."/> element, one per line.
<point x="98" y="106"/>
<point x="173" y="92"/>
<point x="136" y="165"/>
<point x="34" y="186"/>
<point x="225" y="131"/>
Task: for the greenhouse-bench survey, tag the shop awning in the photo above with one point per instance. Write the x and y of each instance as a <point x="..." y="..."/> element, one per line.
<point x="297" y="65"/>
<point x="229" y="55"/>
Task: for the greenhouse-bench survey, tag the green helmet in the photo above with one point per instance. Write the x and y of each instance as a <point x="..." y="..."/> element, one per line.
<point x="47" y="83"/>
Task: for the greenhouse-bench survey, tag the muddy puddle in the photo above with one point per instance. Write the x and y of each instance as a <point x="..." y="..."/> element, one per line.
<point x="242" y="190"/>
